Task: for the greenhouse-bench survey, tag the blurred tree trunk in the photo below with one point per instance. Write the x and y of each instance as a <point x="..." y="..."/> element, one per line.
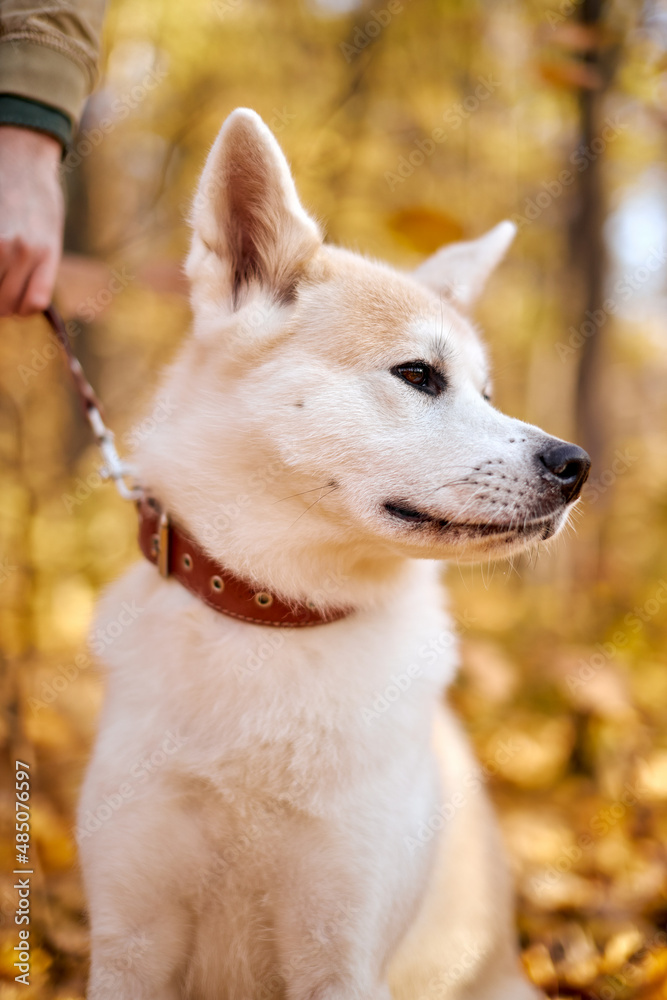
<point x="588" y="245"/>
<point x="587" y="241"/>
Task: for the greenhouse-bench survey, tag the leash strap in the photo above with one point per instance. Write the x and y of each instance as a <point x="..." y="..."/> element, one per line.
<point x="113" y="467"/>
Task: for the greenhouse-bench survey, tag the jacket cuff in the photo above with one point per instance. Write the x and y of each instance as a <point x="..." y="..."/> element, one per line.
<point x="43" y="75"/>
<point x="34" y="115"/>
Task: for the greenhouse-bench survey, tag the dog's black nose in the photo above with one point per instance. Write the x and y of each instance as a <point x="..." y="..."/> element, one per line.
<point x="568" y="465"/>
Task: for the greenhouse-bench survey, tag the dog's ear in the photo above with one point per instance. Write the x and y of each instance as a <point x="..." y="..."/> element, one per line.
<point x="460" y="270"/>
<point x="247" y="212"/>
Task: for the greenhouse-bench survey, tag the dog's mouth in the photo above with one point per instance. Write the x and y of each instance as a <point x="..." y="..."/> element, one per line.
<point x="542" y="526"/>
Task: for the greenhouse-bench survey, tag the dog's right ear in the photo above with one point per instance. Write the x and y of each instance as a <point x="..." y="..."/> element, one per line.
<point x="247" y="214"/>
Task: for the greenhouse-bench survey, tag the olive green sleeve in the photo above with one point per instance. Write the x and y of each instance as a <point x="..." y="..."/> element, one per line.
<point x="34" y="115"/>
<point x="49" y="52"/>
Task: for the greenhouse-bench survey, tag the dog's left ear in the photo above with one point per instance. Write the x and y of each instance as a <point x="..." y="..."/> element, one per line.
<point x="460" y="270"/>
<point x="247" y="212"/>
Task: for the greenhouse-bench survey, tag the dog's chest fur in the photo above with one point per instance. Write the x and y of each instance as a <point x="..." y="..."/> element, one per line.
<point x="295" y="761"/>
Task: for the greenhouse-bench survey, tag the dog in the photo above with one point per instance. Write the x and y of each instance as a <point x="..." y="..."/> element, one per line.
<point x="250" y="825"/>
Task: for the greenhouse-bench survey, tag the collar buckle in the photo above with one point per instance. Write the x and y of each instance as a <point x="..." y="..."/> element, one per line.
<point x="163" y="529"/>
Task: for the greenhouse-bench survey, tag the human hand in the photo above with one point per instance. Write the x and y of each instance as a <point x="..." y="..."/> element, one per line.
<point x="31" y="219"/>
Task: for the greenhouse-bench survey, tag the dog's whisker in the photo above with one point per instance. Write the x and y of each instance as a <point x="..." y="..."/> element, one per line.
<point x="304" y="492"/>
<point x="469" y="502"/>
<point x="310" y="506"/>
<point x="463" y="580"/>
<point x="454" y="482"/>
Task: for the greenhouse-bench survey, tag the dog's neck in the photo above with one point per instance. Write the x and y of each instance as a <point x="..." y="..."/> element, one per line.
<point x="272" y="540"/>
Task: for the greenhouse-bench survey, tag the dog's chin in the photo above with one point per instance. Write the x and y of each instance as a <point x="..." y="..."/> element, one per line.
<point x="467" y="541"/>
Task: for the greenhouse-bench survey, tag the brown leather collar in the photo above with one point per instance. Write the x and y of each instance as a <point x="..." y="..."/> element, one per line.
<point x="179" y="556"/>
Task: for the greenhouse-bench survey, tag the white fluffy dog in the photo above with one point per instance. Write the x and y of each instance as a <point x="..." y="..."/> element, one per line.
<point x="252" y="825"/>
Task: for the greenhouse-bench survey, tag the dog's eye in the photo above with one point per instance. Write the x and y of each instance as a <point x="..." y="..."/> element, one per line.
<point x="421" y="376"/>
<point x="486" y="396"/>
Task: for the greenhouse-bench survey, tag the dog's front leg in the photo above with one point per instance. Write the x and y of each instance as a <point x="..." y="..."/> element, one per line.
<point x="341" y="989"/>
<point x="124" y="966"/>
<point x="332" y="968"/>
<point x="331" y="925"/>
<point x="336" y="987"/>
<point x="139" y="870"/>
<point x="462" y="944"/>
